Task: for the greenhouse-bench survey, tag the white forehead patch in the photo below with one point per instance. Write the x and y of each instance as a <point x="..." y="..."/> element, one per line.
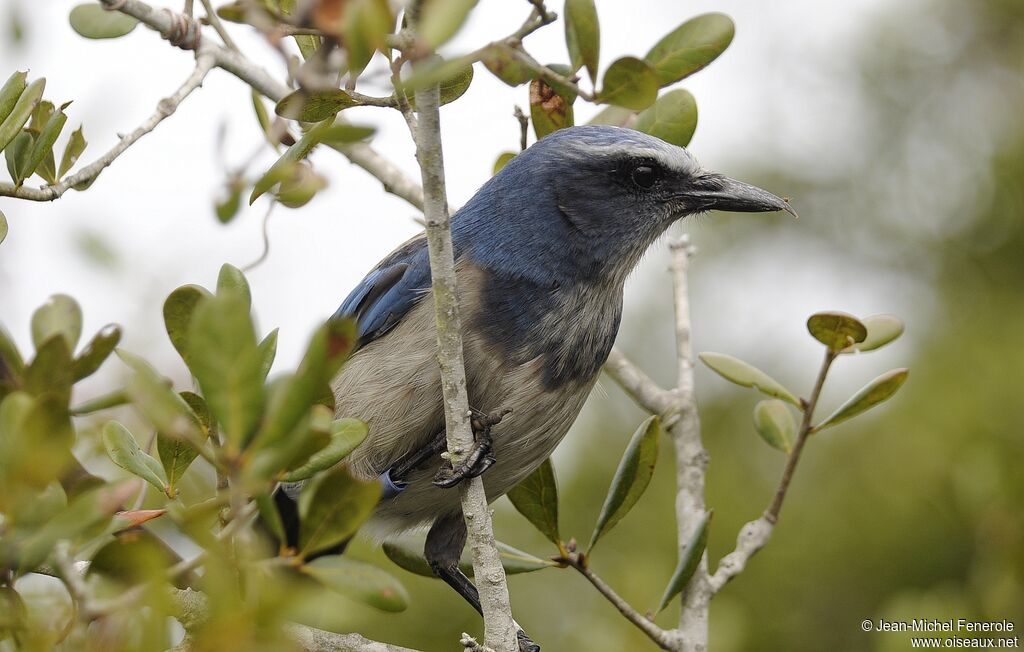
<point x="669" y="156"/>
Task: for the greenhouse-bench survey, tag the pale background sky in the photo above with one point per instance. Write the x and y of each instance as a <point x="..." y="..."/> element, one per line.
<point x="760" y="102"/>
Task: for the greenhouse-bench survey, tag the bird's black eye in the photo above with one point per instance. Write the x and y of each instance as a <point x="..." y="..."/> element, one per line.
<point x="645" y="176"/>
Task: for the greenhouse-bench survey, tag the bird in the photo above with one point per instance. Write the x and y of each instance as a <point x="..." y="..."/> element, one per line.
<point x="542" y="252"/>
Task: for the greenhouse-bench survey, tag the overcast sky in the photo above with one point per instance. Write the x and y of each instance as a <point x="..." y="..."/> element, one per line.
<point x="780" y="94"/>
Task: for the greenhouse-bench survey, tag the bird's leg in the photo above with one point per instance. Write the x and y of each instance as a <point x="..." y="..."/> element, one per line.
<point x="479" y="459"/>
<point x="445" y="541"/>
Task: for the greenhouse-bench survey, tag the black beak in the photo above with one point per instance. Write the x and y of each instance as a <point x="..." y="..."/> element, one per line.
<point x="718" y="192"/>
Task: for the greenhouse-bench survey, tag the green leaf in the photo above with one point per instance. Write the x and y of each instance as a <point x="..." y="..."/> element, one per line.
<point x="583" y="35"/>
<point x="501" y="61"/>
<point x="629" y="82"/>
<point x="96" y="351"/>
<point x="452" y="78"/>
<point x="746" y="375"/>
<point x="43" y="145"/>
<point x="176" y="456"/>
<point x="689" y="560"/>
<point x="227" y="205"/>
<point x="310" y="435"/>
<point x="270" y="517"/>
<point x="60" y="315"/>
<point x="37" y="438"/>
<point x="344" y="134"/>
<point x="327" y="350"/>
<point x="360" y="581"/>
<point x="125" y="452"/>
<point x="367" y="24"/>
<point x="308" y="45"/>
<point x="102" y="402"/>
<point x="333" y="508"/>
<point x="536" y="498"/>
<point x="502" y="161"/>
<point x="549" y="111"/>
<point x="882" y="329"/>
<point x="690" y="47"/>
<point x="223" y="356"/>
<point x="836" y="330"/>
<point x="774" y="422"/>
<point x="314" y="106"/>
<point x="72" y="151"/>
<point x="3" y="227"/>
<point x="877" y="391"/>
<point x="93" y="21"/>
<point x="178" y="310"/>
<point x="50" y="371"/>
<point x="10" y="92"/>
<point x="267" y="352"/>
<point x="299" y="188"/>
<point x="672" y="118"/>
<point x="286" y="167"/>
<point x="631" y="478"/>
<point x="441" y="19"/>
<point x="231" y="280"/>
<point x="406" y="552"/>
<point x="21" y="112"/>
<point x="10" y="355"/>
<point x="158" y="402"/>
<point x="346" y="435"/>
<point x="17" y="155"/>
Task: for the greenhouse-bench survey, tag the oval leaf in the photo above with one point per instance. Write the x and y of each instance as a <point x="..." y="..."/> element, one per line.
<point x="178" y="309"/>
<point x="774" y="422"/>
<point x="631" y="478"/>
<point x="629" y="82"/>
<point x="882" y="329"/>
<point x="93" y="21"/>
<point x="96" y="351"/>
<point x="314" y="106"/>
<point x="502" y="161"/>
<point x="877" y="391"/>
<point x="689" y="559"/>
<point x="407" y="553"/>
<point x="741" y="373"/>
<point x="60" y="315"/>
<point x="502" y="62"/>
<point x="441" y="19"/>
<point x="20" y="113"/>
<point x="223" y="356"/>
<point x="673" y="118"/>
<point x="690" y="47"/>
<point x="583" y="35"/>
<point x="231" y="280"/>
<point x="3" y="227"/>
<point x="536" y="498"/>
<point x="549" y="111"/>
<point x="360" y="581"/>
<point x="836" y="330"/>
<point x="333" y="509"/>
<point x="124" y="451"/>
<point x="346" y="435"/>
<point x="72" y="152"/>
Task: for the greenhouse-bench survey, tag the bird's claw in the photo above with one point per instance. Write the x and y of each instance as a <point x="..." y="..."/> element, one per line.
<point x="480" y="457"/>
<point x="526" y="644"/>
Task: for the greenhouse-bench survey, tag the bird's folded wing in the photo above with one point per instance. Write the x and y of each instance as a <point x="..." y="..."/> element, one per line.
<point x="383" y="298"/>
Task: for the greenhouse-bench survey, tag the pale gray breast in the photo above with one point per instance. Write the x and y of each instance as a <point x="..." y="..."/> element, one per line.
<point x="393" y="384"/>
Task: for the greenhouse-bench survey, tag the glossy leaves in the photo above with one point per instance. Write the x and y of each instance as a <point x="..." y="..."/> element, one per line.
<point x="124" y="451"/>
<point x="690" y="47"/>
<point x="346" y="435"/>
<point x="877" y="391"/>
<point x="360" y="581"/>
<point x="836" y="330"/>
<point x="178" y="309"/>
<point x="583" y="35"/>
<point x="672" y="118"/>
<point x="629" y="82"/>
<point x="774" y="422"/>
<point x="60" y="315"/>
<point x="689" y="559"/>
<point x="333" y="508"/>
<point x="882" y="329"/>
<point x="91" y="20"/>
<point x="536" y="498"/>
<point x="631" y="478"/>
<point x="746" y="375"/>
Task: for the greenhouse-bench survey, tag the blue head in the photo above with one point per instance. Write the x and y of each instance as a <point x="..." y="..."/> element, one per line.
<point x="586" y="202"/>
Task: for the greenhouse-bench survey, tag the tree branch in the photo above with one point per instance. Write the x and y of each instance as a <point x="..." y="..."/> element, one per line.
<point x="663" y="639"/>
<point x="499" y="627"/>
<point x="647" y="393"/>
<point x="165" y="108"/>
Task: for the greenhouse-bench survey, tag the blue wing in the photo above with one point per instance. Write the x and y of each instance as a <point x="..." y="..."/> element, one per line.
<point x="382" y="299"/>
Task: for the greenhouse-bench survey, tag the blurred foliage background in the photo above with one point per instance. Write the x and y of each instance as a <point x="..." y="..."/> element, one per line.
<point x="911" y="512"/>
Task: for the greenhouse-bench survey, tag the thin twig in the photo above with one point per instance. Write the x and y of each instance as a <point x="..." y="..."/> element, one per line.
<point x="638" y="385"/>
<point x="205" y="62"/>
<point x="524" y="126"/>
<point x="218" y="26"/>
<point x="266" y="240"/>
<point x="660" y="637"/>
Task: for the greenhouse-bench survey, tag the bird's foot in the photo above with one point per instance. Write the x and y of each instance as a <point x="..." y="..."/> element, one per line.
<point x="526" y="644"/>
<point x="480" y="457"/>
